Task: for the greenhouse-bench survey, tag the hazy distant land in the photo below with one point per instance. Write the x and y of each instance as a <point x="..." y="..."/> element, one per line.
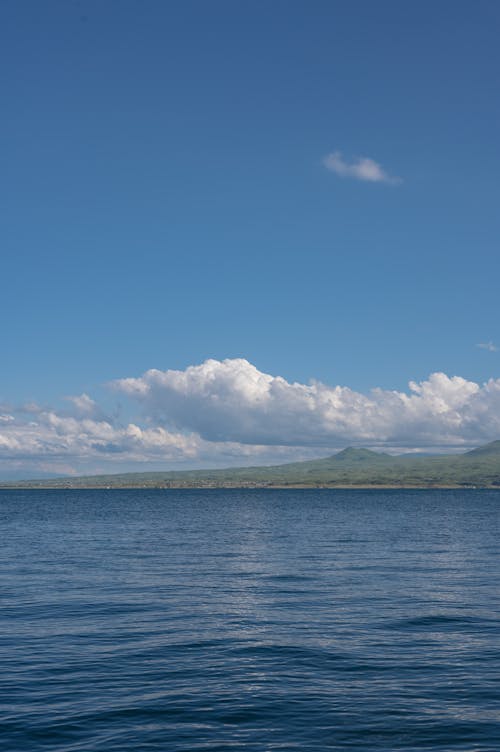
<point x="350" y="468"/>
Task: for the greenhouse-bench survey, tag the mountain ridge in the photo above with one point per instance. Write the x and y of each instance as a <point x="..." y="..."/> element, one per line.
<point x="490" y="449"/>
<point x="351" y="467"/>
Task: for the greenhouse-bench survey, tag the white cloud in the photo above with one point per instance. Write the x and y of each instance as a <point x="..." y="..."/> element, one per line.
<point x="488" y="346"/>
<point x="229" y="413"/>
<point x="362" y="168"/>
<point x="84" y="404"/>
<point x="55" y="435"/>
<point x="62" y="443"/>
<point x="233" y="401"/>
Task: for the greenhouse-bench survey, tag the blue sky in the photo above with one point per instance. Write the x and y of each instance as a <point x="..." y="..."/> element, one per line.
<point x="169" y="196"/>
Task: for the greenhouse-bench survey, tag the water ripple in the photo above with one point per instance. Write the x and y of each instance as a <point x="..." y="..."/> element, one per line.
<point x="230" y="620"/>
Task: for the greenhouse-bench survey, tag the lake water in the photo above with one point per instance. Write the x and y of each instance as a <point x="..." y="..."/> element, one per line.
<point x="250" y="620"/>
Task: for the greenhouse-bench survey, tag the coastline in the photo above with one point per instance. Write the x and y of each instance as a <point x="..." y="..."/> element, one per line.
<point x="351" y="468"/>
<point x="246" y="487"/>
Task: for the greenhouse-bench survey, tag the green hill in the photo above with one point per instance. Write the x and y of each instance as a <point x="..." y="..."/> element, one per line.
<point x="355" y="456"/>
<point x="487" y="450"/>
<point x="352" y="467"/>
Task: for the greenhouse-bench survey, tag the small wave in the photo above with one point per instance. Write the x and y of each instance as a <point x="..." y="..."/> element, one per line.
<point x="435" y="622"/>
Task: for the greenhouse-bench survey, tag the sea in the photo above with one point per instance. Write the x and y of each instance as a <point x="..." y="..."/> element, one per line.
<point x="255" y="620"/>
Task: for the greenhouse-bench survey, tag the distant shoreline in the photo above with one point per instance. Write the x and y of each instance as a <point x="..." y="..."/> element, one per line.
<point x="355" y="468"/>
<point x="248" y="487"/>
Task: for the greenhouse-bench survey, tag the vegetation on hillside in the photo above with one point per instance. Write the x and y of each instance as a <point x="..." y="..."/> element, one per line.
<point x="350" y="467"/>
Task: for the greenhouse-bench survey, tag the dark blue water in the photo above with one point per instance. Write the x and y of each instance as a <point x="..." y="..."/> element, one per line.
<point x="250" y="620"/>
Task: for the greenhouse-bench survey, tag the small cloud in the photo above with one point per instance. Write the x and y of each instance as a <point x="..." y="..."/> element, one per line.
<point x="487" y="346"/>
<point x="363" y="168"/>
<point x="83" y="403"/>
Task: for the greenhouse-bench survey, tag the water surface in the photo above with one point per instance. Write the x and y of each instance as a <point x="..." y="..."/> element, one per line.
<point x="249" y="620"/>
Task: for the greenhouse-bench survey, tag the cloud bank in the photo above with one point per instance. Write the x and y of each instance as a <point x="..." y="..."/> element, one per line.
<point x="229" y="412"/>
<point x="363" y="168"/>
<point x="234" y="401"/>
<point x="48" y="434"/>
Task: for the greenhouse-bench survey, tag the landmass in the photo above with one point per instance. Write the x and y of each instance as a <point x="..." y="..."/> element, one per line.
<point x="349" y="468"/>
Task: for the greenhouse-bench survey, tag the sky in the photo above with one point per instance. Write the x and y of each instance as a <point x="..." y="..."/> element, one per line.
<point x="238" y="233"/>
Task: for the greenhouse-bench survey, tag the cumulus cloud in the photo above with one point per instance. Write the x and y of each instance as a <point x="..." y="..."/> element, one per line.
<point x="60" y="436"/>
<point x="55" y="441"/>
<point x="228" y="412"/>
<point x="232" y="400"/>
<point x="84" y="404"/>
<point x="488" y="346"/>
<point x="362" y="168"/>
